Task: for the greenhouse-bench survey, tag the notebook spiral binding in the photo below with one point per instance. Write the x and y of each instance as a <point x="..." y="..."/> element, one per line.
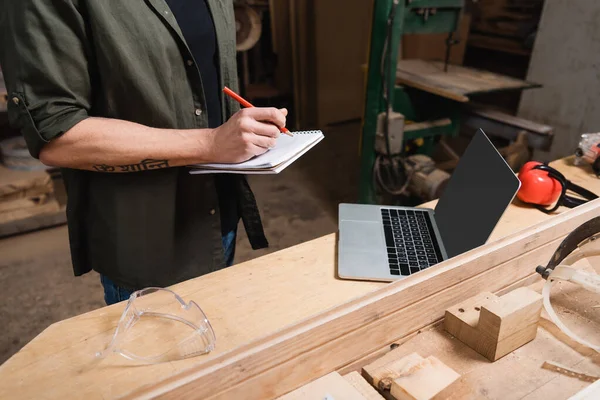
<point x="306" y="132"/>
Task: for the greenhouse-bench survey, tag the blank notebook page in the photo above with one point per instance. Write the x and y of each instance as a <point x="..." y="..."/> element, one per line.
<point x="285" y="149"/>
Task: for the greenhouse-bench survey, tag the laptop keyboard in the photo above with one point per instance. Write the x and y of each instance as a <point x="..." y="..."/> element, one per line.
<point x="410" y="240"/>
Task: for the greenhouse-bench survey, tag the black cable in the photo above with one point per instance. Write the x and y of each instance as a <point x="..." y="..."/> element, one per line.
<point x="387" y="88"/>
<point x="393" y="164"/>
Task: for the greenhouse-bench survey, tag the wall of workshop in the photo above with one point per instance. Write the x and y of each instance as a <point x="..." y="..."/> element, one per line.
<point x="566" y="61"/>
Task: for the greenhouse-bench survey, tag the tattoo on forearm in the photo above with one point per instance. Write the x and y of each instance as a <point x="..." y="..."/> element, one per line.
<point x="144" y="165"/>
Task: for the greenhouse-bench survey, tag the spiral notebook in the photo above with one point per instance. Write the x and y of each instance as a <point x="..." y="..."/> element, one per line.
<point x="286" y="151"/>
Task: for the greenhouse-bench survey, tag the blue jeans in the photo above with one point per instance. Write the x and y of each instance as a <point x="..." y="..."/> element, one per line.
<point x="114" y="294"/>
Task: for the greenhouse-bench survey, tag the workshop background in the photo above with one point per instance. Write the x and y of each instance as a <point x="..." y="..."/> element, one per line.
<point x="313" y="58"/>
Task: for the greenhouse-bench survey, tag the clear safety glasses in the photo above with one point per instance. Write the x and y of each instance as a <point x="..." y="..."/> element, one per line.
<point x="572" y="294"/>
<point x="158" y="326"/>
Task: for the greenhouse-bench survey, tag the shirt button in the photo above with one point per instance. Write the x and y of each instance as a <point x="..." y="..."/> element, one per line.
<point x="212" y="212"/>
<point x="166" y="12"/>
<point x="190" y="63"/>
<point x="198" y="111"/>
<point x="15" y="100"/>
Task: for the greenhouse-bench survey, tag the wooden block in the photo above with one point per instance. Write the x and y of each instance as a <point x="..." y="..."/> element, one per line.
<point x="360" y="384"/>
<point x="329" y="387"/>
<point x="494" y="326"/>
<point x="381" y="375"/>
<point x="423" y="380"/>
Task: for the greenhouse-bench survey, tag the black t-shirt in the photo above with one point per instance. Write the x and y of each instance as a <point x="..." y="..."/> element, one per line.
<point x="197" y="26"/>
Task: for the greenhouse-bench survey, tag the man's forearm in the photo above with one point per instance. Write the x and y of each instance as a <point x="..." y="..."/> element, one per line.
<point x="110" y="145"/>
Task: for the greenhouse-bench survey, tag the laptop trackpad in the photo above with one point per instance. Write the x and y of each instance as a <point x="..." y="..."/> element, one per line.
<point x="362" y="235"/>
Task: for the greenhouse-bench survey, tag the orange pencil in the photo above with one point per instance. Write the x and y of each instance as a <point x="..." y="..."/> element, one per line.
<point x="247" y="104"/>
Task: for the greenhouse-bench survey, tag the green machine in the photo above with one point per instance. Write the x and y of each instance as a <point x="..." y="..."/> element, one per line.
<point x="388" y="103"/>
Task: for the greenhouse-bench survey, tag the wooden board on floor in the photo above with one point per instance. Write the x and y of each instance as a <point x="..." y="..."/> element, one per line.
<point x="16" y="183"/>
<point x="360" y="384"/>
<point x="32" y="218"/>
<point x="329" y="387"/>
<point x="269" y="289"/>
<point x="27" y="202"/>
<point x="457" y="83"/>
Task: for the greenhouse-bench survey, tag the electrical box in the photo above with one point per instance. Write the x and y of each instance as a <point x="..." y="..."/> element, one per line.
<point x="396" y="133"/>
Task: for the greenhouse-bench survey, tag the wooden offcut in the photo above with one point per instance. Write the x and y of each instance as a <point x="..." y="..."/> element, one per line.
<point x="329" y="387"/>
<point x="409" y="377"/>
<point x="568" y="371"/>
<point x="383" y="371"/>
<point x="360" y="384"/>
<point x="27" y="202"/>
<point x="423" y="380"/>
<point x="494" y="326"/>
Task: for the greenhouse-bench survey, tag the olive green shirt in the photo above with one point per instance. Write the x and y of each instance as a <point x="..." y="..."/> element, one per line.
<point x="67" y="60"/>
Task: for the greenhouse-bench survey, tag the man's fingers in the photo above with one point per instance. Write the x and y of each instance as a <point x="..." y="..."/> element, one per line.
<point x="264" y="142"/>
<point x="262" y="129"/>
<point x="266" y="114"/>
<point x="258" y="150"/>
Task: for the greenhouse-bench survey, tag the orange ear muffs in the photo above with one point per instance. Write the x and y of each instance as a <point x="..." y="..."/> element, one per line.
<point x="537" y="186"/>
<point x="542" y="186"/>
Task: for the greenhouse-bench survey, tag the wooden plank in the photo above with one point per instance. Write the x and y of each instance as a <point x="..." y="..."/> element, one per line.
<point x="457" y="83"/>
<point x="31" y="219"/>
<point x="329" y="387"/>
<point x="360" y="384"/>
<point x="361" y="326"/>
<point x="416" y="126"/>
<point x="21" y="204"/>
<point x="508" y="119"/>
<point x="18" y="184"/>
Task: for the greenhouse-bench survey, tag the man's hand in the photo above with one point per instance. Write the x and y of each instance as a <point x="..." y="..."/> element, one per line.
<point x="248" y="133"/>
<point x="98" y="144"/>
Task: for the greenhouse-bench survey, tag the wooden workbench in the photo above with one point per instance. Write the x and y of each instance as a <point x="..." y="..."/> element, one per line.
<point x="244" y="303"/>
<point x="457" y="83"/>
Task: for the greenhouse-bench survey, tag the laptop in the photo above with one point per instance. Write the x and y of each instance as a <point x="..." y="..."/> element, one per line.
<point x="386" y="243"/>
